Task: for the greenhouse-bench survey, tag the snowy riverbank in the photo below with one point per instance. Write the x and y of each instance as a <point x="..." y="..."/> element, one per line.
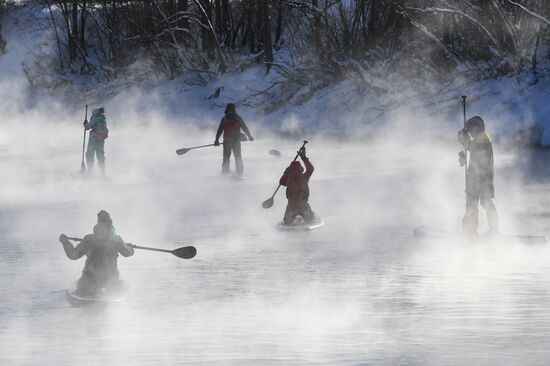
<point x="510" y="106"/>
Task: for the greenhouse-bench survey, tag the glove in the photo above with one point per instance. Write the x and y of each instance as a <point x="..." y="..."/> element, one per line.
<point x="216" y="143"/>
<point x="463" y="137"/>
<point x="63" y="238"/>
<point x="250" y="138"/>
<point x="85" y="121"/>
<point x="462" y="158"/>
<point x="302" y="153"/>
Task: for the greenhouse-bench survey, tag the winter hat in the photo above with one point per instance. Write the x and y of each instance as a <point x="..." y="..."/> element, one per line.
<point x="103" y="217"/>
<point x="99" y="110"/>
<point x="475" y="123"/>
<point x="230" y="108"/>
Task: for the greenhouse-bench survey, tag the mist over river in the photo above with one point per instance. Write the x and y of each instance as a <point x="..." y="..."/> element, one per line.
<point x="359" y="291"/>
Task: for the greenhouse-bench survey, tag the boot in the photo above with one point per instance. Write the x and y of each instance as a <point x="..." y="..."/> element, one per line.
<point x="90" y="168"/>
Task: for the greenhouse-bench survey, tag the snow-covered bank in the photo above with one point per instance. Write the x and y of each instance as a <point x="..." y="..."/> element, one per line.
<point x="363" y="103"/>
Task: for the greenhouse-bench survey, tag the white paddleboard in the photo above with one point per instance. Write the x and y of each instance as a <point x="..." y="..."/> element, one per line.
<point x="101" y="297"/>
<point x="91" y="176"/>
<point x="300" y="224"/>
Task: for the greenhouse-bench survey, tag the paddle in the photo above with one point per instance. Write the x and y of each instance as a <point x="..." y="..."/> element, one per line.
<point x="464" y="149"/>
<point x="187" y="149"/>
<point x="269" y="202"/>
<point x="82" y="165"/>
<point x="183" y="252"/>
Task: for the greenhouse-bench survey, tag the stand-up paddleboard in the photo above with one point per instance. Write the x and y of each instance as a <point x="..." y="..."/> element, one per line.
<point x="100" y="297"/>
<point x="231" y="175"/>
<point x="91" y="176"/>
<point x="237" y="177"/>
<point x="300" y="224"/>
<point x="422" y="232"/>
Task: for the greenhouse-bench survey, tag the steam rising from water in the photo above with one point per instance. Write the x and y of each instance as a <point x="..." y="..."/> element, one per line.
<point x="359" y="291"/>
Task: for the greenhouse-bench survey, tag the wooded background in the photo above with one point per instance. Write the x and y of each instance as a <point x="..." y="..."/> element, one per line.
<point x="486" y="38"/>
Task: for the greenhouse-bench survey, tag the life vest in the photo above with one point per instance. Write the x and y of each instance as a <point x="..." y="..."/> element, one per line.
<point x="231" y="127"/>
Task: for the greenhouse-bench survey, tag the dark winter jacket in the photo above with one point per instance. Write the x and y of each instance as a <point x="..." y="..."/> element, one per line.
<point x="231" y="125"/>
<point x="481" y="171"/>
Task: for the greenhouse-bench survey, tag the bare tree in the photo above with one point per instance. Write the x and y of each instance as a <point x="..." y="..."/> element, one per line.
<point x="2" y="40"/>
<point x="322" y="39"/>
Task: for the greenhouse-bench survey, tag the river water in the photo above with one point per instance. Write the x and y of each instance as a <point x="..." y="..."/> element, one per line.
<point x="359" y="291"/>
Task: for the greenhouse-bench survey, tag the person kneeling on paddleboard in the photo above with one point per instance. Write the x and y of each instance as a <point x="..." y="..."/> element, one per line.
<point x="102" y="249"/>
<point x="480" y="187"/>
<point x="296" y="182"/>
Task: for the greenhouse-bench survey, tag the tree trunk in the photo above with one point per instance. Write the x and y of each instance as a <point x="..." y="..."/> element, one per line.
<point x="206" y="34"/>
<point x="2" y="40"/>
<point x="74" y="30"/>
<point x="317" y="45"/>
<point x="267" y="44"/>
<point x="83" y="27"/>
<point x="219" y="19"/>
<point x="279" y="26"/>
<point x="227" y="26"/>
<point x="183" y="7"/>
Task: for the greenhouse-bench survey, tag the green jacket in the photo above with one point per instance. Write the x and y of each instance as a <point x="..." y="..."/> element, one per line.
<point x="101" y="249"/>
<point x="95" y="121"/>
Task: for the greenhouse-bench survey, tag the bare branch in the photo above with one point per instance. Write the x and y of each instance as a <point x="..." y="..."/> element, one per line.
<point x="532" y="13"/>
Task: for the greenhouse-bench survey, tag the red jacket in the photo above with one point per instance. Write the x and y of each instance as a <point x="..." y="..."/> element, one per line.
<point x="231" y="125"/>
<point x="296" y="181"/>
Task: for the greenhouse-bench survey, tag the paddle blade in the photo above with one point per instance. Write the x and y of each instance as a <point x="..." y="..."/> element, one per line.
<point x="185" y="252"/>
<point x="182" y="151"/>
<point x="268" y="203"/>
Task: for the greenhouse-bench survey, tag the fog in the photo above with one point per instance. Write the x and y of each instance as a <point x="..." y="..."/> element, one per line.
<point x="360" y="290"/>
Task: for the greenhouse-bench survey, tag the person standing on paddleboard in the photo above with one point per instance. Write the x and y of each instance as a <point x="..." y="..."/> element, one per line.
<point x="101" y="249"/>
<point x="96" y="142"/>
<point x="480" y="187"/>
<point x="231" y="125"/>
<point x="296" y="182"/>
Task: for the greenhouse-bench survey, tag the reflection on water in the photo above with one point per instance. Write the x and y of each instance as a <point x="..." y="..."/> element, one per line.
<point x="360" y="290"/>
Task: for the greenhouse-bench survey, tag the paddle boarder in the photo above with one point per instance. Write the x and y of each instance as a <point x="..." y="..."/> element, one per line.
<point x="96" y="142"/>
<point x="480" y="189"/>
<point x="296" y="182"/>
<point x="101" y="249"/>
<point x="231" y="125"/>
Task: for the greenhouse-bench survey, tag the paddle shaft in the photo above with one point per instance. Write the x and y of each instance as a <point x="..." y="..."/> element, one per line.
<point x="198" y="147"/>
<point x="464" y="148"/>
<point x="82" y="165"/>
<point x="296" y="157"/>
<point x="187" y="149"/>
<point x="152" y="249"/>
<point x="134" y="246"/>
<point x="183" y="252"/>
